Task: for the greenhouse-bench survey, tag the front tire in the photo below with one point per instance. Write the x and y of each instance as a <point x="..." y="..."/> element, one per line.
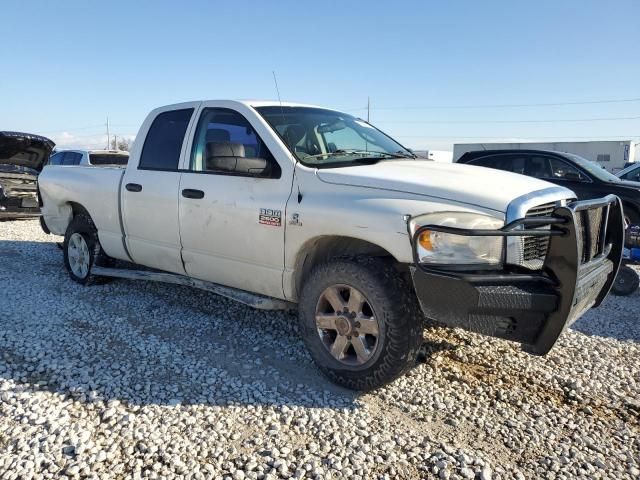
<point x="82" y="250"/>
<point x="360" y="322"/>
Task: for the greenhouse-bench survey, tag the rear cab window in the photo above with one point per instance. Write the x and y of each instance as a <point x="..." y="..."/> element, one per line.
<point x="108" y="159"/>
<point x="163" y="143"/>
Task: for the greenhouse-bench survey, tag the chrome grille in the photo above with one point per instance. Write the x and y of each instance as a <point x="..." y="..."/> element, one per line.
<point x="534" y="249"/>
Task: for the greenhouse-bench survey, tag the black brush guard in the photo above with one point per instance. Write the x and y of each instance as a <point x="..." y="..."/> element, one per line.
<point x="530" y="307"/>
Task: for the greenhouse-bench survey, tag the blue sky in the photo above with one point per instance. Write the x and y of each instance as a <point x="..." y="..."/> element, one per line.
<point x="67" y="65"/>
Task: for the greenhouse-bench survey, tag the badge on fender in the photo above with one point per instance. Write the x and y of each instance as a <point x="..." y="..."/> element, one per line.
<point x="270" y="217"/>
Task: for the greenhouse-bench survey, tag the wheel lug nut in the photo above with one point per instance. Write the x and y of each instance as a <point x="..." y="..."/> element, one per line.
<point x="348" y="337"/>
<point x="357" y="324"/>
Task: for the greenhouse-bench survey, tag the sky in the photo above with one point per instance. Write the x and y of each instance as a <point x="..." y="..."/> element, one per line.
<point x="436" y="72"/>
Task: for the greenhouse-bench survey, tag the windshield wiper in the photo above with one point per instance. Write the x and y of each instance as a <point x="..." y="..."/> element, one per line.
<point x="357" y="152"/>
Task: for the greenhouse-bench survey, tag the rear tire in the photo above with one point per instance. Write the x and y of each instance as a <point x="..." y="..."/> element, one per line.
<point x="82" y="250"/>
<point x="365" y="347"/>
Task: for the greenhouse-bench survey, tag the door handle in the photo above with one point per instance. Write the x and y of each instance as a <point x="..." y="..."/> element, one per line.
<point x="191" y="193"/>
<point x="133" y="187"/>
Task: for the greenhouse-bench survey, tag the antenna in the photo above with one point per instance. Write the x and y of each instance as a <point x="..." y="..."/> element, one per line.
<point x="107" y="133"/>
<point x="295" y="158"/>
<point x="275" y="80"/>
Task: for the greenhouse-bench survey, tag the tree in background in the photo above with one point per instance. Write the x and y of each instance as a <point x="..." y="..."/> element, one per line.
<point x="120" y="144"/>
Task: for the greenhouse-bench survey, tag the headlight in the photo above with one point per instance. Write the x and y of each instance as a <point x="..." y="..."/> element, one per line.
<point x="439" y="248"/>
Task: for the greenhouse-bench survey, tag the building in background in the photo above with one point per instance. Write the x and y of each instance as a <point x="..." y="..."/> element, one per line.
<point x="442" y="156"/>
<point x="612" y="155"/>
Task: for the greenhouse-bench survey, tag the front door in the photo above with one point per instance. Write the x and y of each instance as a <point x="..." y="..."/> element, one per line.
<point x="232" y="203"/>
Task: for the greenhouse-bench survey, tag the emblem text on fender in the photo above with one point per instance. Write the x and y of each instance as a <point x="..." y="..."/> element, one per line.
<point x="270" y="217"/>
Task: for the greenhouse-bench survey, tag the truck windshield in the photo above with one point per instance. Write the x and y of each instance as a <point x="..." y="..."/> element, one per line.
<point x="325" y="138"/>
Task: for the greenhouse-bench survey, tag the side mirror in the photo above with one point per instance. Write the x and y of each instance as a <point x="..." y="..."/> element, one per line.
<point x="229" y="157"/>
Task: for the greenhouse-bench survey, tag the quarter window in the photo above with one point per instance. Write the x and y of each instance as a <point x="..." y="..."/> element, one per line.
<point x="162" y="146"/>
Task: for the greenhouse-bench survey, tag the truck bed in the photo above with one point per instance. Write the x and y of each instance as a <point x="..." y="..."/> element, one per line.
<point x="97" y="189"/>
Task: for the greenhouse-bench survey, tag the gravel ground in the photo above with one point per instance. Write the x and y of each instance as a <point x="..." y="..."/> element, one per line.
<point x="135" y="379"/>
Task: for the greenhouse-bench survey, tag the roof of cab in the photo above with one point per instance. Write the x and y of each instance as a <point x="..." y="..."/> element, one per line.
<point x="248" y="103"/>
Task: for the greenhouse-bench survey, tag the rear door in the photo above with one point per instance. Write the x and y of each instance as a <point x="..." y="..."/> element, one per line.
<point x="149" y="190"/>
<point x="232" y="223"/>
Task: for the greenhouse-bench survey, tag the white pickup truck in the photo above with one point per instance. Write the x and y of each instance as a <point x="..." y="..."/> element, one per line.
<point x="281" y="204"/>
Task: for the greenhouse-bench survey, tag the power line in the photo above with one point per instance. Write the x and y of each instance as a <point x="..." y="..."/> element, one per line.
<point x="501" y="105"/>
<point x="458" y="122"/>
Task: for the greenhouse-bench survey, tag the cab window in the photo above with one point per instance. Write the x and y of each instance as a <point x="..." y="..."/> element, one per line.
<point x="163" y="143"/>
<point x="226" y="143"/>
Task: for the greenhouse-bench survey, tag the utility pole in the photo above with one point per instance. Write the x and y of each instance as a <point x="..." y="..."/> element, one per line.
<point x="115" y="142"/>
<point x="368" y="109"/>
<point x="107" y="133"/>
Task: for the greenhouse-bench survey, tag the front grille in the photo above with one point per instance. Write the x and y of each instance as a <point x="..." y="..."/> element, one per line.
<point x="534" y="249"/>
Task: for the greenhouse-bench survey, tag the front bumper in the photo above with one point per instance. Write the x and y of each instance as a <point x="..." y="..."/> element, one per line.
<point x="532" y="307"/>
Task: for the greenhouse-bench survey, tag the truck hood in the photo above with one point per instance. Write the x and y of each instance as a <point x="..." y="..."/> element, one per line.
<point x="459" y="183"/>
<point x="19" y="151"/>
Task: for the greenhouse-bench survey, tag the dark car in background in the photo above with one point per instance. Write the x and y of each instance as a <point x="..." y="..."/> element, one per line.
<point x="587" y="179"/>
<point x="22" y="157"/>
<point x="631" y="172"/>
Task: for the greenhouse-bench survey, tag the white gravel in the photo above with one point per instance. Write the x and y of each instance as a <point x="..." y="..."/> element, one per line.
<point x="134" y="379"/>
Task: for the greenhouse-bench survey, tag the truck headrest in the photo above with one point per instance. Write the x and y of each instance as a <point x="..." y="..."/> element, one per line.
<point x="224" y="149"/>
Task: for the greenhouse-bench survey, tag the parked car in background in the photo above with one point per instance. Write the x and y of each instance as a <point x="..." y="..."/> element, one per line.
<point x="22" y="157"/>
<point x="587" y="179"/>
<point x="373" y="234"/>
<point x="89" y="157"/>
<point x="631" y="173"/>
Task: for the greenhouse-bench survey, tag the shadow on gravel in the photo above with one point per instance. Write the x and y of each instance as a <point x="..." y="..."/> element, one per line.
<point x="617" y="317"/>
<point x="147" y="343"/>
